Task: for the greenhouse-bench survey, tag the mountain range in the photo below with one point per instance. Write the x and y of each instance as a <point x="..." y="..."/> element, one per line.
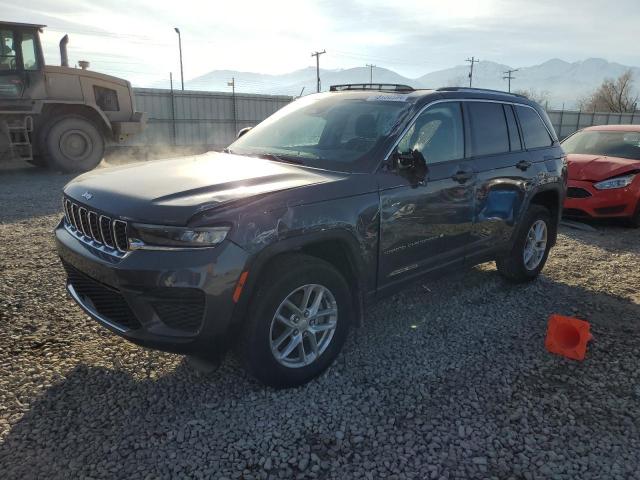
<point x="561" y="82"/>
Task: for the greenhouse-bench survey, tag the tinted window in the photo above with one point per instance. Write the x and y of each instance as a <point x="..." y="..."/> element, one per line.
<point x="29" y="58"/>
<point x="489" y="133"/>
<point x="514" y="136"/>
<point x="437" y="133"/>
<point x="533" y="130"/>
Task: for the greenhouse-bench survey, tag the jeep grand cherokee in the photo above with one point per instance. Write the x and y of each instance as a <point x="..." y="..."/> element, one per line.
<point x="278" y="244"/>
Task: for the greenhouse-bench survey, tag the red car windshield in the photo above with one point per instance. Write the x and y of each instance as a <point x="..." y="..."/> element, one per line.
<point x="606" y="143"/>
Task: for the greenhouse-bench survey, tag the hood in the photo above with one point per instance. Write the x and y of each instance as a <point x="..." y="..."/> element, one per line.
<point x="596" y="168"/>
<point x="171" y="191"/>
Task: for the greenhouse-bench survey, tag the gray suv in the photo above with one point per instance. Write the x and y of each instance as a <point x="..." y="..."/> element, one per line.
<point x="277" y="245"/>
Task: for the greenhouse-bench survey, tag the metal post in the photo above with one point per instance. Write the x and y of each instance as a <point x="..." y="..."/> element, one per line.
<point x="317" y="55"/>
<point x="232" y="84"/>
<point x="173" y="110"/>
<point x="180" y="47"/>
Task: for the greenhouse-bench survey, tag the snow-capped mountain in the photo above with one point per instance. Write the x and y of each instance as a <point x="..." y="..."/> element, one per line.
<point x="563" y="82"/>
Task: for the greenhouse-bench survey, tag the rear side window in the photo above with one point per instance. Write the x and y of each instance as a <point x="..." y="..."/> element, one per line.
<point x="533" y="130"/>
<point x="514" y="136"/>
<point x="489" y="134"/>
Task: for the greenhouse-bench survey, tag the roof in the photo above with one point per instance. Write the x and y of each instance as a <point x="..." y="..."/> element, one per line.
<point x="615" y="128"/>
<point x="21" y="25"/>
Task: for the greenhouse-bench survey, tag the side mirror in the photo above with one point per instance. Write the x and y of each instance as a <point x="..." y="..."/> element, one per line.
<point x="412" y="166"/>
<point x="243" y="131"/>
<point x="409" y="160"/>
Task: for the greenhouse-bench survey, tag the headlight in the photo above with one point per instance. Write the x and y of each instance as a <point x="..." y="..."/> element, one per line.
<point x="618" y="182"/>
<point x="158" y="237"/>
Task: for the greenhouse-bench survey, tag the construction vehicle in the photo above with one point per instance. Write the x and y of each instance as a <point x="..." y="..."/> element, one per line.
<point x="58" y="116"/>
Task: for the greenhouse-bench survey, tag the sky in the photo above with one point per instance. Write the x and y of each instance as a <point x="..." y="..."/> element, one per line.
<point x="135" y="39"/>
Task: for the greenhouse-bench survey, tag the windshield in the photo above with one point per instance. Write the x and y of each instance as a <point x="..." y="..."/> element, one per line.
<point x="330" y="131"/>
<point x="607" y="143"/>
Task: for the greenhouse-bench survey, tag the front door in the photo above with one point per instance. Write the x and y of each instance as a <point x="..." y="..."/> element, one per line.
<point x="426" y="213"/>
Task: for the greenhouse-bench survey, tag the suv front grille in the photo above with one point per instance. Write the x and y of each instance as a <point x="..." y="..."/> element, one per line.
<point x="96" y="229"/>
<point x="106" y="301"/>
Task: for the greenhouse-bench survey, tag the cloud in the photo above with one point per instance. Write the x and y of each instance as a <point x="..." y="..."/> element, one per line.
<point x="135" y="39"/>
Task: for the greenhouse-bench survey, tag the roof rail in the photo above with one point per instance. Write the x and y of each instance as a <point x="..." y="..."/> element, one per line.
<point x="387" y="87"/>
<point x="473" y="89"/>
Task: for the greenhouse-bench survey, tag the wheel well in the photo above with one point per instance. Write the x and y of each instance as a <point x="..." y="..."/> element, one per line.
<point x="551" y="201"/>
<point x="338" y="254"/>
<point x="52" y="111"/>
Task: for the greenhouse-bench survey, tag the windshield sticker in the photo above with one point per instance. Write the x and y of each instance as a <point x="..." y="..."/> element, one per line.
<point x="388" y="98"/>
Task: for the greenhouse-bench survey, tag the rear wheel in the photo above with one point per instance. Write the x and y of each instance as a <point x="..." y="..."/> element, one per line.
<point x="530" y="250"/>
<point x="74" y="144"/>
<point x="298" y="322"/>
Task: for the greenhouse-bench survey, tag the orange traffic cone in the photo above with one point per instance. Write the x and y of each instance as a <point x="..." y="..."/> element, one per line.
<point x="568" y="336"/>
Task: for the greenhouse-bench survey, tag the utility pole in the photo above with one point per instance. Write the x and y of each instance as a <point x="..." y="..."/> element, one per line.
<point x="370" y="72"/>
<point x="232" y="84"/>
<point x="180" y="47"/>
<point x="509" y="76"/>
<point x="472" y="61"/>
<point x="173" y="110"/>
<point x="317" y="55"/>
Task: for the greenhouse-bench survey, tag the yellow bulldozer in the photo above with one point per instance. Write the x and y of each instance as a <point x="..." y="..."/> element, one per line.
<point x="58" y="117"/>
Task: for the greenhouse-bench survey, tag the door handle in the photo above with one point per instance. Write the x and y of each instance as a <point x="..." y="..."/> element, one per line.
<point x="523" y="164"/>
<point x="462" y="177"/>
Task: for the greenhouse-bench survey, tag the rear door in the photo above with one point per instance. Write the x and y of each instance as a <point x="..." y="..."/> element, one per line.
<point x="503" y="169"/>
<point x="426" y="219"/>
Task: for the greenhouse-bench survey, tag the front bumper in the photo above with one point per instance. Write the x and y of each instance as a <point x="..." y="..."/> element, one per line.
<point x="176" y="301"/>
<point x="617" y="202"/>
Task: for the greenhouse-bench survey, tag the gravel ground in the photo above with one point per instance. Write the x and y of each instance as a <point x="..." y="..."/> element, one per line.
<point x="449" y="379"/>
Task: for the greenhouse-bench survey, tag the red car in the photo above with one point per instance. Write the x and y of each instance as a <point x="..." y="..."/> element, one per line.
<point x="604" y="173"/>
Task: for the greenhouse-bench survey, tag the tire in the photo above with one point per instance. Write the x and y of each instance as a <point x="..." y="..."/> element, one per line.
<point x="513" y="266"/>
<point x="73" y="144"/>
<point x="290" y="278"/>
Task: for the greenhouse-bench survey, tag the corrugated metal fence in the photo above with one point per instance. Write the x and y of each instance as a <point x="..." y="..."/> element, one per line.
<point x="199" y="118"/>
<point x="212" y="119"/>
<point x="568" y="121"/>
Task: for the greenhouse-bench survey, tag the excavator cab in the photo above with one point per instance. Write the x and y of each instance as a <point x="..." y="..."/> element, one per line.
<point x="21" y="60"/>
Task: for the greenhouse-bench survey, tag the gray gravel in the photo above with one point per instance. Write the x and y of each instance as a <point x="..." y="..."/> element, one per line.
<point x="449" y="379"/>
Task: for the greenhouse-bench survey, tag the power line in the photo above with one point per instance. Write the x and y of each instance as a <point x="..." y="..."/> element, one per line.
<point x="472" y="61"/>
<point x="509" y="76"/>
<point x="317" y="55"/>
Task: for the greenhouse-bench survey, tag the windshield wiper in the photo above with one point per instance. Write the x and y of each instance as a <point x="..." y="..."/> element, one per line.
<point x="277" y="158"/>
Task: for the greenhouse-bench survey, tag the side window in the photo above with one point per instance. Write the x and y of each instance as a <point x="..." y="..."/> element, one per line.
<point x="29" y="56"/>
<point x="7" y="51"/>
<point x="437" y="133"/>
<point x="533" y="130"/>
<point x="514" y="136"/>
<point x="489" y="133"/>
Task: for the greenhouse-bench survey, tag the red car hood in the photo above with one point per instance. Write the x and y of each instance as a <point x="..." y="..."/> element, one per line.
<point x="596" y="168"/>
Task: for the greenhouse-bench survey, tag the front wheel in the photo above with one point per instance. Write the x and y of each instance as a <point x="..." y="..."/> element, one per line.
<point x="530" y="250"/>
<point x="74" y="144"/>
<point x="298" y="321"/>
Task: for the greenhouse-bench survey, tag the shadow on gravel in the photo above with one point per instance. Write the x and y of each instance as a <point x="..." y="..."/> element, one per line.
<point x="472" y="379"/>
